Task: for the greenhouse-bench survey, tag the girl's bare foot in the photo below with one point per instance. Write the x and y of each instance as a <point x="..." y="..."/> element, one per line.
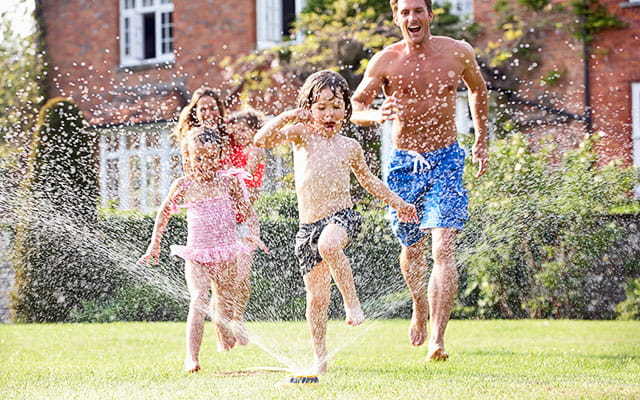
<point x="241" y="333"/>
<point x="417" y="329"/>
<point x="191" y="366"/>
<point x="354" y="315"/>
<point x="226" y="338"/>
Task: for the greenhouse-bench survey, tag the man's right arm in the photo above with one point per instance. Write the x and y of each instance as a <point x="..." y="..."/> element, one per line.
<point x="365" y="93"/>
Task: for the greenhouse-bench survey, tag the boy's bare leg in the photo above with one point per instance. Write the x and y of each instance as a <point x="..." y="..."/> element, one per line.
<point x="414" y="269"/>
<point x="243" y="292"/>
<point x="224" y="291"/>
<point x="331" y="243"/>
<point x="443" y="285"/>
<point x="318" y="284"/>
<point x="198" y="285"/>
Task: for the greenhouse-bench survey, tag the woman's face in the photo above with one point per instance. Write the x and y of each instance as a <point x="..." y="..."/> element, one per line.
<point x="207" y="111"/>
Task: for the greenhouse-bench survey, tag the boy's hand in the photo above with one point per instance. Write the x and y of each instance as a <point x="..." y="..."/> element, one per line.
<point x="152" y="256"/>
<point x="407" y="213"/>
<point x="299" y="115"/>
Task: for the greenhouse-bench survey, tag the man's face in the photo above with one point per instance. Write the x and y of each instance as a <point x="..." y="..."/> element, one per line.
<point x="413" y="18"/>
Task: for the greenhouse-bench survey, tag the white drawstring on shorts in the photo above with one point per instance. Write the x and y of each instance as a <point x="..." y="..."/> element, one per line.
<point x="418" y="160"/>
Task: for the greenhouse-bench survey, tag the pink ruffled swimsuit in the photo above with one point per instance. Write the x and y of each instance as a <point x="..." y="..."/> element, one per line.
<point x="212" y="236"/>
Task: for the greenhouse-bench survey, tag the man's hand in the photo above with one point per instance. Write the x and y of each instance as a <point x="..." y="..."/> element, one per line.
<point x="390" y="108"/>
<point x="480" y="156"/>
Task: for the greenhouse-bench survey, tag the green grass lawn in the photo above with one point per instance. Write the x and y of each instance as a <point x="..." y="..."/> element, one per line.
<point x="525" y="359"/>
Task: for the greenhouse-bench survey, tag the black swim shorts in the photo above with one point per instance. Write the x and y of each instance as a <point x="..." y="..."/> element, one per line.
<point x="308" y="235"/>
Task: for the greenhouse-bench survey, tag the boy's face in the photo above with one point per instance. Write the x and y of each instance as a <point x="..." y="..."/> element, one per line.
<point x="328" y="112"/>
<point x="242" y="133"/>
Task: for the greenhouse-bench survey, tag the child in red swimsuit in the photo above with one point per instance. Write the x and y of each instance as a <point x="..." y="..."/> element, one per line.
<point x="243" y="126"/>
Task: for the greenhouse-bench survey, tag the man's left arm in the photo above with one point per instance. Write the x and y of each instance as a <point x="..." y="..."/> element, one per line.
<point x="479" y="106"/>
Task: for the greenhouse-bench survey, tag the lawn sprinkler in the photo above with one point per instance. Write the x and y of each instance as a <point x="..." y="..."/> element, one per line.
<point x="302" y="379"/>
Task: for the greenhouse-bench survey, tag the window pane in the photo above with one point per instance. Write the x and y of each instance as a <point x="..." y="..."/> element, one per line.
<point x="149" y="31"/>
<point x="147" y="3"/>
<point x="127" y="36"/>
<point x="288" y="16"/>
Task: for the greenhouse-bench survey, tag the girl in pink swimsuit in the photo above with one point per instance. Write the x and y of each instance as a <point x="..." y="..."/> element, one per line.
<point x="212" y="197"/>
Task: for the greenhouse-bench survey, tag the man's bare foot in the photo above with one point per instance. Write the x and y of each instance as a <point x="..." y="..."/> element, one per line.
<point x="417" y="330"/>
<point x="437" y="354"/>
<point x="354" y="315"/>
<point x="191" y="366"/>
<point x="241" y="333"/>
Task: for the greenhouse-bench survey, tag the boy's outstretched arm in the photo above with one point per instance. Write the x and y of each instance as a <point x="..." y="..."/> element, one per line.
<point x="162" y="219"/>
<point x="280" y="129"/>
<point x="372" y="184"/>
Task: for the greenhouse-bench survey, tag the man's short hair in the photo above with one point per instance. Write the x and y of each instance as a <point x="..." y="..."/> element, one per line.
<point x="394" y="6"/>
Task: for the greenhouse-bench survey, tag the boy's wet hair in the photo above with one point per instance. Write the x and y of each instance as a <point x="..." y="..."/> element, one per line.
<point x="394" y="6"/>
<point x="320" y="80"/>
<point x="252" y="117"/>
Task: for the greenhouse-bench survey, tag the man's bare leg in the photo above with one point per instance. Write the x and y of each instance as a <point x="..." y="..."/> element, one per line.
<point x="331" y="243"/>
<point x="318" y="284"/>
<point x="414" y="269"/>
<point x="443" y="285"/>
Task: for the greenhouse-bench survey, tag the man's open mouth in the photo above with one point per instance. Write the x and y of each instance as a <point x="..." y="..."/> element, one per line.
<point x="414" y="28"/>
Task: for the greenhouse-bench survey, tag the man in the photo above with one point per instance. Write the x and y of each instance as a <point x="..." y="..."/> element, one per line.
<point x="419" y="76"/>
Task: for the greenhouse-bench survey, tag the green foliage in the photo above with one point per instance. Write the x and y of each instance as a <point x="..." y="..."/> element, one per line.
<point x="630" y="308"/>
<point x="54" y="265"/>
<point x="537" y="232"/>
<point x="594" y="18"/>
<point x="22" y="70"/>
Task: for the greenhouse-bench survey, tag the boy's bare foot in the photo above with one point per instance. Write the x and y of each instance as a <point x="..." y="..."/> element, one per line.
<point x="417" y="329"/>
<point x="354" y="315"/>
<point x="191" y="366"/>
<point x="321" y="365"/>
<point x="437" y="354"/>
<point x="241" y="333"/>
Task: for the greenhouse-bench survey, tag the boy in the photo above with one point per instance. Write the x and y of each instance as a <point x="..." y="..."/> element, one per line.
<point x="323" y="161"/>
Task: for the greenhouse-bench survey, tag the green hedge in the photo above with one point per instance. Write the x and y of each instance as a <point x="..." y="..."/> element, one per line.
<point x="541" y="242"/>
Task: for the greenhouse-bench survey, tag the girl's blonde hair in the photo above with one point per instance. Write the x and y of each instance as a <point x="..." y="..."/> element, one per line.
<point x="188" y="119"/>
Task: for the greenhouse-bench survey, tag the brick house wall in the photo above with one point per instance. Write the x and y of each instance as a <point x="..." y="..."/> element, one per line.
<point x="614" y="65"/>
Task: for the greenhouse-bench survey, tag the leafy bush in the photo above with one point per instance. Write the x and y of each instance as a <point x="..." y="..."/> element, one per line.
<point x="538" y="232"/>
<point x="630" y="308"/>
<point x="55" y="267"/>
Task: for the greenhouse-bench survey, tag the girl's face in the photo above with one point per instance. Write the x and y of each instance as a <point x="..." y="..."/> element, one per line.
<point x="205" y="159"/>
<point x="328" y="112"/>
<point x="241" y="133"/>
<point x="207" y="111"/>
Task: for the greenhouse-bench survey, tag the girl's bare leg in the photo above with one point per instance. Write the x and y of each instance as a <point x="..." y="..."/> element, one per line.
<point x="330" y="245"/>
<point x="224" y="296"/>
<point x="243" y="292"/>
<point x="318" y="284"/>
<point x="198" y="285"/>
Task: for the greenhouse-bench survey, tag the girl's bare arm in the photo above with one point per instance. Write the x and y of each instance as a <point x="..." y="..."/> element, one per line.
<point x="152" y="254"/>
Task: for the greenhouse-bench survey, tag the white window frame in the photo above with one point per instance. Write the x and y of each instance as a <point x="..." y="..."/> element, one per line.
<point x="132" y="35"/>
<point x="635" y="127"/>
<point x="123" y="155"/>
<point x="462" y="8"/>
<point x="269" y="22"/>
